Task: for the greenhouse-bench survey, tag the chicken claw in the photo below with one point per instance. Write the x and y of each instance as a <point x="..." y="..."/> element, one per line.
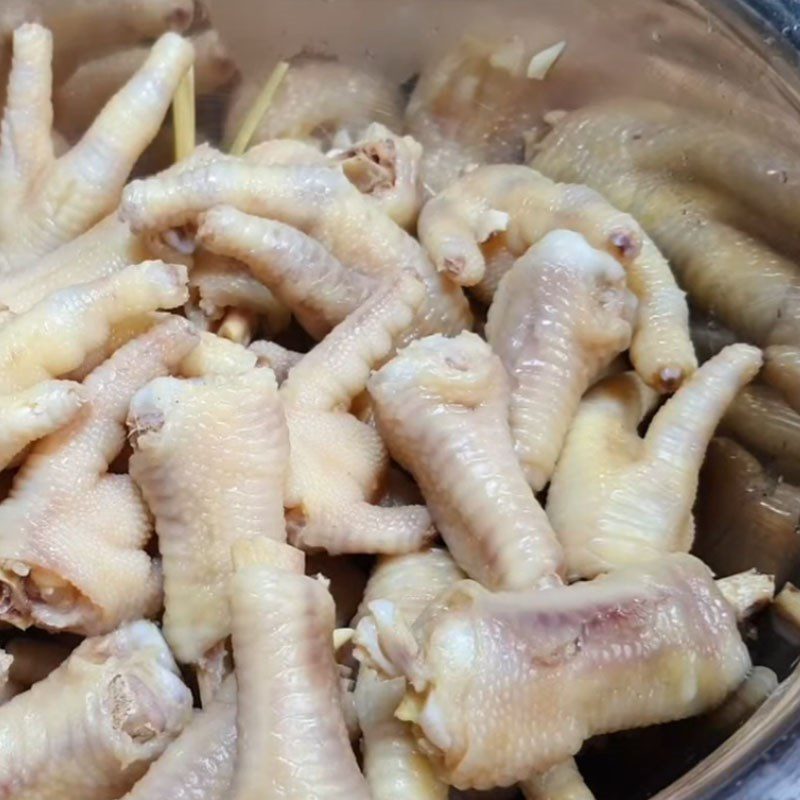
<point x="337" y="462"/>
<point x="559" y="317"/>
<point x="315" y="286"/>
<point x="48" y="201"/>
<point x="521" y="206"/>
<point x="71" y="534"/>
<point x="57" y="335"/>
<point x="393" y="764"/>
<point x="640" y="646"/>
<point x="293" y="742"/>
<point x="91" y="728"/>
<point x="442" y="408"/>
<point x="210" y="457"/>
<point x="619" y="499"/>
<point x="318" y="201"/>
<point x="199" y="763"/>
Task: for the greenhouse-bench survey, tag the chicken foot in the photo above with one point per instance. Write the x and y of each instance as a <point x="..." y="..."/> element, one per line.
<point x="617" y="498"/>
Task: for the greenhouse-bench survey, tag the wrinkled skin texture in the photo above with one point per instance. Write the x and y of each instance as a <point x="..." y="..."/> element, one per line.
<point x="442" y="407"/>
<point x="198" y="765"/>
<point x="317" y="99"/>
<point x="320" y="202"/>
<point x="761" y="420"/>
<point x="394" y="767"/>
<point x="720" y="204"/>
<point x="559" y="317"/>
<point x="475" y="228"/>
<point x="91" y="728"/>
<point x="293" y="741"/>
<point x="72" y="533"/>
<point x="49" y="201"/>
<point x="782" y="371"/>
<point x="210" y="457"/>
<point x="314" y="285"/>
<point x="617" y="498"/>
<point x="505" y="684"/>
<point x="58" y="335"/>
<point x="746" y="517"/>
<point x="337" y="462"/>
<point x="386" y="167"/>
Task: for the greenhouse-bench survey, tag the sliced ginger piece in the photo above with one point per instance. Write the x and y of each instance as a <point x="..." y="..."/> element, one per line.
<point x="442" y="407"/>
<point x="518" y="206"/>
<point x="210" y="456"/>
<point x="559" y="317"/>
<point x="617" y="498"/>
<point x="293" y="741"/>
<point x="337" y="462"/>
<point x="49" y="201"/>
<point x="71" y="533"/>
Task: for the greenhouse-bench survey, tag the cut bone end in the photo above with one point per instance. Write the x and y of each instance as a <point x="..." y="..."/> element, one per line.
<point x="747" y="592"/>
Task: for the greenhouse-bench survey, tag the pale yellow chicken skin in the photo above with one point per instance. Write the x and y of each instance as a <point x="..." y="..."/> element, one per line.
<point x="501" y="685"/>
<point x="199" y="763"/>
<point x="337" y="462"/>
<point x="91" y="728"/>
<point x="617" y="498"/>
<point x="476" y="226"/>
<point x="49" y="201"/>
<point x="559" y="317"/>
<point x="210" y="456"/>
<point x="394" y="767"/>
<point x="318" y="201"/>
<point x="71" y="547"/>
<point x="59" y="335"/>
<point x="293" y="741"/>
<point x="442" y="407"/>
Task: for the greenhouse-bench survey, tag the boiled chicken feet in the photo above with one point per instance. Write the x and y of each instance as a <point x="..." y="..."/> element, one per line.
<point x="48" y="201"/>
<point x="199" y="763"/>
<point x="91" y="728"/>
<point x="517" y="206"/>
<point x="318" y="201"/>
<point x="314" y="285"/>
<point x="442" y="407"/>
<point x="617" y="498"/>
<point x="719" y="203"/>
<point x="393" y="764"/>
<point x="210" y="456"/>
<point x="337" y="462"/>
<point x="293" y="741"/>
<point x="72" y="534"/>
<point x="662" y="631"/>
<point x="559" y="317"/>
<point x="57" y="335"/>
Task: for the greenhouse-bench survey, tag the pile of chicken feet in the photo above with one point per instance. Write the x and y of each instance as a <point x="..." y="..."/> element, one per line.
<point x="198" y="504"/>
